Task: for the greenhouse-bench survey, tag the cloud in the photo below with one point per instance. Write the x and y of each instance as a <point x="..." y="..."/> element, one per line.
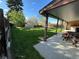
<point x="26" y="18"/>
<point x="0" y="1"/>
<point x="5" y="10"/>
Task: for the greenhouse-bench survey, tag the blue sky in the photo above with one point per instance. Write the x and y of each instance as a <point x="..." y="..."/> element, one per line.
<point x="31" y="7"/>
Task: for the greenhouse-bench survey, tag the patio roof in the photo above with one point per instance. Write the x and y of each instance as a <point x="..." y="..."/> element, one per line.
<point x="67" y="10"/>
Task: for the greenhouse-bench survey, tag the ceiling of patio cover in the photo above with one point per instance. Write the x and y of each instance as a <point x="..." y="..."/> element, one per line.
<point x="68" y="12"/>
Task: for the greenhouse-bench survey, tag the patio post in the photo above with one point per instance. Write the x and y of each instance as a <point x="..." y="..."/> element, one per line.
<point x="57" y="25"/>
<point x="46" y="27"/>
<point x="67" y="26"/>
<point x="62" y="26"/>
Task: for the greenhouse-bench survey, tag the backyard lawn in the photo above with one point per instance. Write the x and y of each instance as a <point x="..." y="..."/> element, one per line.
<point x="23" y="41"/>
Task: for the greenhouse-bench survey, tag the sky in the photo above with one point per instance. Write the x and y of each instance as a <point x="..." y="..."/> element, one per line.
<point x="30" y="8"/>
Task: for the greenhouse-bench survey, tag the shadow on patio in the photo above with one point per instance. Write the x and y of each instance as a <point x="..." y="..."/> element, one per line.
<point x="56" y="48"/>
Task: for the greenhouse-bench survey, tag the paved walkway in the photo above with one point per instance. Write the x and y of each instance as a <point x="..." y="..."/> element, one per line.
<point x="55" y="48"/>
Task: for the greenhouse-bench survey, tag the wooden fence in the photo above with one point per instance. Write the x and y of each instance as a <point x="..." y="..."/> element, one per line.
<point x="4" y="34"/>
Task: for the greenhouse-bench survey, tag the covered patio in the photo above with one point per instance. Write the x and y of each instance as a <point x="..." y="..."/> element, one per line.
<point x="65" y="11"/>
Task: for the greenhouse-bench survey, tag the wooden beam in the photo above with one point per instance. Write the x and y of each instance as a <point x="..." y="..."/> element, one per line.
<point x="46" y="28"/>
<point x="53" y="16"/>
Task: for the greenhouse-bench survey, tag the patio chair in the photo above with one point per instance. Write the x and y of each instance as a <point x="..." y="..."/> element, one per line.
<point x="76" y="39"/>
<point x="65" y="36"/>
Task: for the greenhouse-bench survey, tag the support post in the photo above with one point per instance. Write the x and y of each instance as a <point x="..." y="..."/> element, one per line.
<point x="62" y="25"/>
<point x="67" y="26"/>
<point x="57" y="25"/>
<point x="46" y="28"/>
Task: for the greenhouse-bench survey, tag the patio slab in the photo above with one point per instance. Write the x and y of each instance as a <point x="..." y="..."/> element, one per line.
<point x="56" y="48"/>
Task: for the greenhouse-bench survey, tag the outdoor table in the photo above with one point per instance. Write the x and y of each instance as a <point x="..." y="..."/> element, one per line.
<point x="75" y="37"/>
<point x="74" y="33"/>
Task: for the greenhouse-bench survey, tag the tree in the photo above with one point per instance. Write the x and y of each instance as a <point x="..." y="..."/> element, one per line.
<point x="15" y="5"/>
<point x="15" y="14"/>
<point x="32" y="21"/>
<point x="16" y="18"/>
<point x="42" y="20"/>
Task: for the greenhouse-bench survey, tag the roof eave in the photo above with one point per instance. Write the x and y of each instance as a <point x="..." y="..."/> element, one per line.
<point x="43" y="10"/>
<point x="54" y="2"/>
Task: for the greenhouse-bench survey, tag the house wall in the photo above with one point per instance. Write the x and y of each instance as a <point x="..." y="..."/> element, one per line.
<point x="71" y="26"/>
<point x="64" y="24"/>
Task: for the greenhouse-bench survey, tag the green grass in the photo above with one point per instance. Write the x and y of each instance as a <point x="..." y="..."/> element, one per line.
<point x="23" y="41"/>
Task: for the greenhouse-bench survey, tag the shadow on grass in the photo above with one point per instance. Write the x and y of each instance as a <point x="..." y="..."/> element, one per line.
<point x="23" y="41"/>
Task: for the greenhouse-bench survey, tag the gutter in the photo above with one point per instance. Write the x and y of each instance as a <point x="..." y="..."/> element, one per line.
<point x="52" y="3"/>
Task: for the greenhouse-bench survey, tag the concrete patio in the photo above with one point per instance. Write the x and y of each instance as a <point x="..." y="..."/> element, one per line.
<point x="56" y="48"/>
